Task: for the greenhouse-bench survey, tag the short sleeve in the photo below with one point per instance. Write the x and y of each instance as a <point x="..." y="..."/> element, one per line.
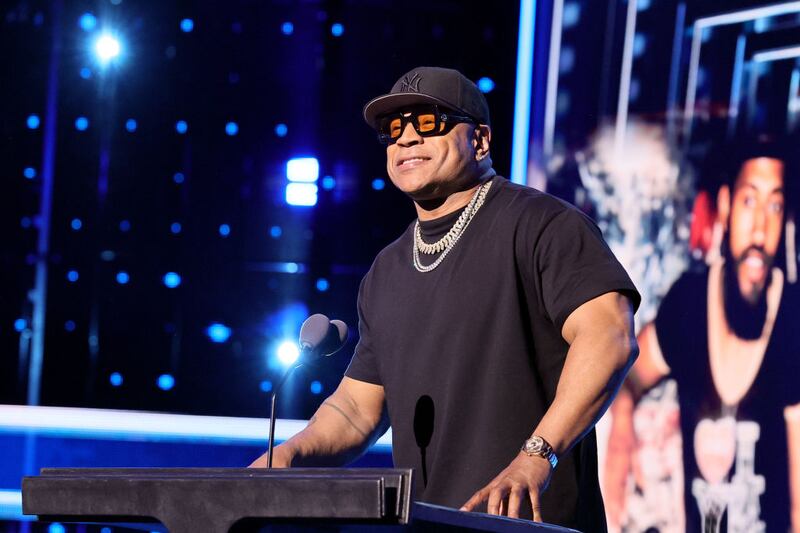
<point x="364" y="365"/>
<point x="574" y="265"/>
<point x="681" y="322"/>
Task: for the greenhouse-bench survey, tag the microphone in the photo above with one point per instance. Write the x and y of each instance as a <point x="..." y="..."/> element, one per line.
<point x="319" y="337"/>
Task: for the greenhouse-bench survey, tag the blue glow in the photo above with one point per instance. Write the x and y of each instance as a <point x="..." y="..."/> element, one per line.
<point x="378" y="184"/>
<point x="172" y="279"/>
<point x="130" y="125"/>
<point x="231" y="128"/>
<point x="571" y="14"/>
<point x="486" y="85"/>
<point x="275" y="232"/>
<point x="288" y="352"/>
<point x="105" y="530"/>
<point x="166" y="382"/>
<point x="87" y="22"/>
<point x="33" y="122"/>
<point x="642" y="5"/>
<point x="81" y="123"/>
<point x="56" y="527"/>
<point x="20" y="324"/>
<point x="73" y="276"/>
<point x="291" y="268"/>
<point x="566" y="62"/>
<point x="224" y="230"/>
<point x="175" y="227"/>
<point x="69" y="326"/>
<point x="25" y="222"/>
<point x="287" y="28"/>
<point x="337" y="29"/>
<point x="86" y="73"/>
<point x="639" y="44"/>
<point x="218" y="332"/>
<point x="181" y="127"/>
<point x="29" y="172"/>
<point x="328" y="183"/>
<point x="281" y="130"/>
<point x="302" y="169"/>
<point x="123" y="277"/>
<point x="301" y="194"/>
<point x="265" y="386"/>
<point x="178" y="177"/>
<point x="107" y="48"/>
<point x="76" y="224"/>
<point x="522" y="97"/>
<point x="124" y="226"/>
<point x="187" y="25"/>
<point x="322" y="285"/>
<point x="316" y="387"/>
<point x="115" y="379"/>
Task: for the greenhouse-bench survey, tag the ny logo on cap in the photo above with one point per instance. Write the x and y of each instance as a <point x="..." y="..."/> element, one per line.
<point x="410" y="84"/>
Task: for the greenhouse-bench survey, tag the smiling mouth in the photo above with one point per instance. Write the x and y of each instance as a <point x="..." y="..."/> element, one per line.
<point x="411" y="161"/>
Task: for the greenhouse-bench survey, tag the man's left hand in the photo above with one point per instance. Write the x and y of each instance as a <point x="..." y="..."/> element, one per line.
<point x="526" y="477"/>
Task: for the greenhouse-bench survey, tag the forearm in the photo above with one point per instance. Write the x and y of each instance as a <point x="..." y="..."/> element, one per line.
<point x="595" y="367"/>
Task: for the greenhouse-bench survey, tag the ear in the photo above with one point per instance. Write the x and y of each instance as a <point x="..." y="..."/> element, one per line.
<point x="723" y="205"/>
<point x="481" y="141"/>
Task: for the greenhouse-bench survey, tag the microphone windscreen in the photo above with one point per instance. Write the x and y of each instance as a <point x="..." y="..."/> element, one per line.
<point x="341" y="327"/>
<point x="314" y="330"/>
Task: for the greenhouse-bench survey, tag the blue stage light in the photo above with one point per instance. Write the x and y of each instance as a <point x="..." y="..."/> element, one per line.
<point x="76" y="224"/>
<point x="130" y="125"/>
<point x="322" y="285"/>
<point x="73" y="276"/>
<point x="337" y="29"/>
<point x="265" y="386"/>
<point x="378" y="184"/>
<point x="115" y="379"/>
<point x="56" y="527"/>
<point x="301" y="194"/>
<point x="106" y="530"/>
<point x="175" y="227"/>
<point x="224" y="230"/>
<point x="328" y="183"/>
<point x="124" y="226"/>
<point x="571" y="14"/>
<point x="69" y="326"/>
<point x="288" y="352"/>
<point x="107" y="48"/>
<point x="81" y="123"/>
<point x="639" y="44"/>
<point x="20" y="324"/>
<point x="287" y="28"/>
<point x="302" y="169"/>
<point x="231" y="128"/>
<point x="187" y="25"/>
<point x="87" y="22"/>
<point x="218" y="332"/>
<point x="166" y="381"/>
<point x="316" y="387"/>
<point x="181" y="127"/>
<point x="486" y="85"/>
<point x="275" y="232"/>
<point x="29" y="172"/>
<point x="25" y="222"/>
<point x="33" y="122"/>
<point x="172" y="279"/>
<point x="86" y="73"/>
<point x="123" y="277"/>
<point x="281" y="130"/>
<point x="178" y="177"/>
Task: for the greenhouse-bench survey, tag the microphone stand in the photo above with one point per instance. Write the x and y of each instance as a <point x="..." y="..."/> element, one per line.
<point x="272" y="411"/>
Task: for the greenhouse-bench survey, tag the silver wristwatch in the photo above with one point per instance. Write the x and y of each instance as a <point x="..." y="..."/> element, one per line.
<point x="536" y="445"/>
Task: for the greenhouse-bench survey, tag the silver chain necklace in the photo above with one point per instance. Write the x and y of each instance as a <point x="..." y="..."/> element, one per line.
<point x="448" y="242"/>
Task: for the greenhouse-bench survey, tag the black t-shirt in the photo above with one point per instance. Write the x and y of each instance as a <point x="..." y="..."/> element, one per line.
<point x="682" y="329"/>
<point x="470" y="354"/>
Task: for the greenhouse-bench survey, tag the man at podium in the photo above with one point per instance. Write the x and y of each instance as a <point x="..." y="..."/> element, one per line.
<point x="493" y="333"/>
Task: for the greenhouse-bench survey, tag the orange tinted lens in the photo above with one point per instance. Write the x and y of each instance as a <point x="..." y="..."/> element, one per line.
<point x="427" y="122"/>
<point x="395" y="128"/>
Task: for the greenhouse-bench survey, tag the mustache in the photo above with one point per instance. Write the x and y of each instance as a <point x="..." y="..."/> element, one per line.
<point x="755" y="250"/>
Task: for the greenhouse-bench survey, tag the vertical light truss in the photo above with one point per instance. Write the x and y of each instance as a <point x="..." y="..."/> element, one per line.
<point x="554" y="56"/>
<point x="625" y="79"/>
<point x="522" y="99"/>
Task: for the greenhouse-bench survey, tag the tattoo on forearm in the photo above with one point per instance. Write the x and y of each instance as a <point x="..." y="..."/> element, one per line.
<point x="346" y="417"/>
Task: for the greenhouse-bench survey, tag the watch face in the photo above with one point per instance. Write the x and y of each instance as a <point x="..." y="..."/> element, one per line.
<point x="534" y="445"/>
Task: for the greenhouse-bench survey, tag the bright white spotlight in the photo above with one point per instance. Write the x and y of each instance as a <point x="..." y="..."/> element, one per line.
<point x="288" y="352"/>
<point x="107" y="48"/>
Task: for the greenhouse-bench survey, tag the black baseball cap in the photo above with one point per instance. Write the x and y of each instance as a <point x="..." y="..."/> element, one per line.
<point x="431" y="85"/>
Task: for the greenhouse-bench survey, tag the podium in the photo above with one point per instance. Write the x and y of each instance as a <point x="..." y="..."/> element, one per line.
<point x="218" y="500"/>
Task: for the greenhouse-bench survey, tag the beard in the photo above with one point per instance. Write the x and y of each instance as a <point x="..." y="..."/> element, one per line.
<point x="745" y="316"/>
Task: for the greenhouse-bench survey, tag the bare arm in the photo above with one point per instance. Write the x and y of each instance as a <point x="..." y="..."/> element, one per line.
<point x="792" y="416"/>
<point x="602" y="348"/>
<point x="345" y="425"/>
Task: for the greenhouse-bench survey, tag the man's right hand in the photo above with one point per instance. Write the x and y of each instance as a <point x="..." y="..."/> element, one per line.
<point x="280" y="459"/>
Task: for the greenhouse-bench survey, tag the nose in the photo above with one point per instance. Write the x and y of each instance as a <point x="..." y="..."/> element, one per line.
<point x="759" y="226"/>
<point x="409" y="136"/>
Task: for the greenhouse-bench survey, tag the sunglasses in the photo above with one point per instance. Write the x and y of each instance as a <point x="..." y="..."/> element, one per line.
<point x="428" y="121"/>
